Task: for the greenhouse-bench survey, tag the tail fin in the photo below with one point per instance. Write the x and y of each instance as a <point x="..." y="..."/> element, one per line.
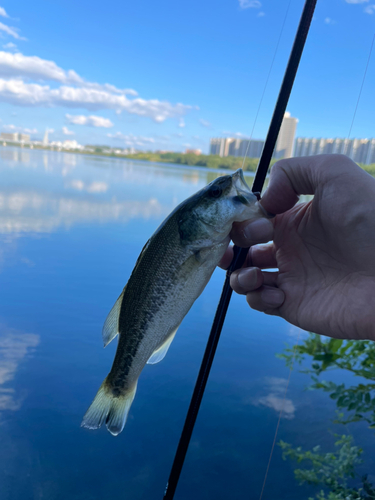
<point x="109" y="409"/>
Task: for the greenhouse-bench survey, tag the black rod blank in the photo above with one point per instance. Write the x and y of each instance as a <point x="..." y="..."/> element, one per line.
<point x="239" y="253"/>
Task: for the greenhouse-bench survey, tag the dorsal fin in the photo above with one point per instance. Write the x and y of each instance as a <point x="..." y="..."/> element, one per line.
<point x="161" y="351"/>
<point x="110" y="328"/>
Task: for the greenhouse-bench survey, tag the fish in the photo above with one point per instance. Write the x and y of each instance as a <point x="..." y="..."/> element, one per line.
<point x="171" y="272"/>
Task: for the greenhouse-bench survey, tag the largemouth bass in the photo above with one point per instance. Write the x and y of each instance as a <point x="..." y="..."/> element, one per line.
<point x="171" y="272"/>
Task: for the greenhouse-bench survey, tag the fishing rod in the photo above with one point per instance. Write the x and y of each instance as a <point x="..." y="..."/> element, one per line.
<point x="240" y="253"/>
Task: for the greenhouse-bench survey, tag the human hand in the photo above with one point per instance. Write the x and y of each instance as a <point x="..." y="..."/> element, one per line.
<point x="323" y="249"/>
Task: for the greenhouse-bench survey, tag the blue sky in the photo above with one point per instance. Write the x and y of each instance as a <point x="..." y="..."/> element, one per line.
<point x="170" y="75"/>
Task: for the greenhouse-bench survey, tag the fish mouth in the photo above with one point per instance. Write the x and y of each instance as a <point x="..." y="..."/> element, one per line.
<point x="239" y="180"/>
<point x="244" y="193"/>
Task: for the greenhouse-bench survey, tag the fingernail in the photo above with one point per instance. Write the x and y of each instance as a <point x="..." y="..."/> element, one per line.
<point x="247" y="278"/>
<point x="273" y="297"/>
<point x="260" y="231"/>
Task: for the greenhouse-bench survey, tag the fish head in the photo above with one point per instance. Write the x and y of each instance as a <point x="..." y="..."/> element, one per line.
<point x="211" y="212"/>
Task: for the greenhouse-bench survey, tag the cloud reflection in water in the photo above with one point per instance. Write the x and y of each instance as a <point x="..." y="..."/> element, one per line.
<point x="45" y="191"/>
<point x="14" y="347"/>
<point x="33" y="212"/>
<point x="275" y="398"/>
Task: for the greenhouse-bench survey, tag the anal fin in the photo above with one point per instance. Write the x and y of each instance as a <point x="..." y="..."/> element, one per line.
<point x="110" y="328"/>
<point x="161" y="351"/>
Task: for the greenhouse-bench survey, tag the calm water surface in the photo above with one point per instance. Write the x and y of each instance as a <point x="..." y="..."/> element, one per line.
<point x="71" y="228"/>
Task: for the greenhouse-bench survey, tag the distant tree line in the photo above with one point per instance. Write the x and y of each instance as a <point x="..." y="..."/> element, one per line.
<point x="212" y="161"/>
<point x="209" y="161"/>
<point x="191" y="159"/>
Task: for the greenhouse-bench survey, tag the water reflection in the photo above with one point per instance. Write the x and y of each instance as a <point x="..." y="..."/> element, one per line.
<point x="347" y="469"/>
<point x="64" y="190"/>
<point x="14" y="347"/>
<point x="63" y="281"/>
<point x="93" y="187"/>
<point x="275" y="398"/>
<point x="35" y="212"/>
<point x="15" y="155"/>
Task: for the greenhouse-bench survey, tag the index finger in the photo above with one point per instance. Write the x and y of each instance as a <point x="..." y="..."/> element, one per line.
<point x="294" y="176"/>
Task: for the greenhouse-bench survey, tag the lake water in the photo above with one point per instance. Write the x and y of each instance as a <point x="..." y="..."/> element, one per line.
<point x="71" y="228"/>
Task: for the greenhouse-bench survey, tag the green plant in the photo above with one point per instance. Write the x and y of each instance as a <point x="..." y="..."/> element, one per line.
<point x="355" y="356"/>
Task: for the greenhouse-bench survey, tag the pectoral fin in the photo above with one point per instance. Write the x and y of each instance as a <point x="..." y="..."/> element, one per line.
<point x="160" y="353"/>
<point x="110" y="328"/>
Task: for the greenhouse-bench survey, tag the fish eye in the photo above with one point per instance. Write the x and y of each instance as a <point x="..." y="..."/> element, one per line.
<point x="215" y="191"/>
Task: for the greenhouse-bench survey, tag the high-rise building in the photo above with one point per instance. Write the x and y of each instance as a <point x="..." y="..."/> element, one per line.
<point x="359" y="150"/>
<point x="217" y="146"/>
<point x="229" y="146"/>
<point x="285" y="141"/>
<point x="45" y="138"/>
<point x="14" y="137"/>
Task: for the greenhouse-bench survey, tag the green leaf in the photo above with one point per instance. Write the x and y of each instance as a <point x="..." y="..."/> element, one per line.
<point x="335" y="344"/>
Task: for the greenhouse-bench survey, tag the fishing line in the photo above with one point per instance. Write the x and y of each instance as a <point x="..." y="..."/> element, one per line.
<point x="266" y="84"/>
<point x="280" y="415"/>
<point x="239" y="253"/>
<point x="363" y="81"/>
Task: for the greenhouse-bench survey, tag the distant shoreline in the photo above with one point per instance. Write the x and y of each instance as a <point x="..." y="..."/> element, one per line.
<point x="212" y="162"/>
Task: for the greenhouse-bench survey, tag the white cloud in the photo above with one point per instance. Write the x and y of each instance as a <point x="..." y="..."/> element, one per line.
<point x="328" y="20"/>
<point x="11" y="31"/>
<point x="91" y="121"/>
<point x="75" y="92"/>
<point x="32" y="94"/>
<point x="66" y="131"/>
<point x="261" y="14"/>
<point x="356" y="1"/>
<point x="3" y="13"/>
<point x="20" y="66"/>
<point x="133" y="140"/>
<point x="250" y="4"/>
<point x="10" y="46"/>
<point x="181" y="123"/>
<point x="33" y="67"/>
<point x="16" y="128"/>
<point x="205" y="123"/>
<point x="233" y="134"/>
<point x="370" y="9"/>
